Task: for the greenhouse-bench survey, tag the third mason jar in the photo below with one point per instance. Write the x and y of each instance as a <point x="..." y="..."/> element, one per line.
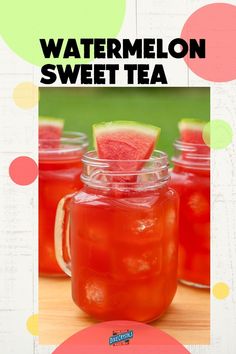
<point x="60" y="167"/>
<point x="191" y="179"/>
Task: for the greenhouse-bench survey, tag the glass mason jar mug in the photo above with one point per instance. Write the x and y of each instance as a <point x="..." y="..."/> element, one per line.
<point x="60" y="167"/>
<point x="117" y="238"/>
<point x="191" y="179"/>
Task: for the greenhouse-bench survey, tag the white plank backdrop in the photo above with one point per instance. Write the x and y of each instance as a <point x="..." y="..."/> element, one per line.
<point x="18" y="205"/>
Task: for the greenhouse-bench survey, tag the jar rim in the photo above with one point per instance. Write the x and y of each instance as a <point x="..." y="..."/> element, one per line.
<point x="69" y="143"/>
<point x="125" y="174"/>
<point x="187" y="146"/>
<point x="69" y="136"/>
<point x="196" y="156"/>
<point x="91" y="157"/>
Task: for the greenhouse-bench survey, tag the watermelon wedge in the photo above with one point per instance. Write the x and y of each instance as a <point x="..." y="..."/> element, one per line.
<point x="191" y="130"/>
<point x="50" y="132"/>
<point x="125" y="140"/>
<point x="122" y="141"/>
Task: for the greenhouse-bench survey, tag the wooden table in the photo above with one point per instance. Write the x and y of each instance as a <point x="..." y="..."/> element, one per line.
<point x="187" y="319"/>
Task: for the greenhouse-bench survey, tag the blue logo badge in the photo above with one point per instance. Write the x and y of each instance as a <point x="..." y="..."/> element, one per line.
<point x="121" y="337"/>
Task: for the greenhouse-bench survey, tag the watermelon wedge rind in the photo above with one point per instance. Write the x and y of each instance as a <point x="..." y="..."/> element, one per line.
<point x="132" y="126"/>
<point x="191" y="124"/>
<point x="191" y="131"/>
<point x="57" y="122"/>
<point x="193" y="149"/>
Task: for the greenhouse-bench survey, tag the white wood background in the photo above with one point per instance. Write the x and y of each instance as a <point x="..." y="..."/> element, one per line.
<point x="18" y="205"/>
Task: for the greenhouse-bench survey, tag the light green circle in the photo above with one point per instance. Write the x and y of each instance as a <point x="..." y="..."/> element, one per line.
<point x="24" y="22"/>
<point x="217" y="134"/>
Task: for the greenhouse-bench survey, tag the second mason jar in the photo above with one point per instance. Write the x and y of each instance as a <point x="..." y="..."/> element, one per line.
<point x="191" y="179"/>
<point x="60" y="167"/>
<point x="121" y="235"/>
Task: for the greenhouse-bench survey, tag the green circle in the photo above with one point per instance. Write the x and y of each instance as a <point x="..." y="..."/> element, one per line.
<point x="217" y="134"/>
<point x="23" y="23"/>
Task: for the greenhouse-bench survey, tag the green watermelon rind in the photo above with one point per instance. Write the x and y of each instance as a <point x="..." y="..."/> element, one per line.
<point x="106" y="127"/>
<point x="56" y="122"/>
<point x="191" y="124"/>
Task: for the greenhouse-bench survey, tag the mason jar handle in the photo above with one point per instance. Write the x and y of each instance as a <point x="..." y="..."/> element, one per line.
<point x="62" y="234"/>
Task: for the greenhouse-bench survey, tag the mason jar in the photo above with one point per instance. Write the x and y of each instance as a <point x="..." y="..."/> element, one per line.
<point x="60" y="168"/>
<point x="122" y="239"/>
<point x="190" y="177"/>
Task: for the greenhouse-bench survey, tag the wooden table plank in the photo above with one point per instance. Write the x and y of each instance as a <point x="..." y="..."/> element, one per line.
<point x="187" y="319"/>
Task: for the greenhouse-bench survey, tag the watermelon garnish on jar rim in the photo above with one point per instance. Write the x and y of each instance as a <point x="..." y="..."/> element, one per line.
<point x="50" y="132"/>
<point x="125" y="141"/>
<point x="191" y="130"/>
<point x="191" y="135"/>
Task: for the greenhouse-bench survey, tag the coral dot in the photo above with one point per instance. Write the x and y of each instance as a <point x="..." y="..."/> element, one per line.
<point x="217" y="134"/>
<point x="216" y="23"/>
<point x="220" y="291"/>
<point x="32" y="325"/>
<point x="142" y="338"/>
<point x="23" y="170"/>
<point x="25" y="95"/>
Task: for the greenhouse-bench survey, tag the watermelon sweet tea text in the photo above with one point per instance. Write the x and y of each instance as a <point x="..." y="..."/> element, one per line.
<point x="101" y="48"/>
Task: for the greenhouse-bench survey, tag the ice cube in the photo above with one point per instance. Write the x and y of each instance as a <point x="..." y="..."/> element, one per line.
<point x="95" y="293"/>
<point x="199" y="204"/>
<point x="144" y="225"/>
<point x="135" y="265"/>
<point x="151" y="226"/>
<point x="148" y="261"/>
<point x="171" y="217"/>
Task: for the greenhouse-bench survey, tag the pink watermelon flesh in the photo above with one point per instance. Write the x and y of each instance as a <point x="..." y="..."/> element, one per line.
<point x="50" y="133"/>
<point x="123" y="145"/>
<point x="191" y="132"/>
<point x="191" y="136"/>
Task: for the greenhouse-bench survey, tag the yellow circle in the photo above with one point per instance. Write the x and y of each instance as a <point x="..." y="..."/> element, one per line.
<point x="220" y="290"/>
<point x="32" y="325"/>
<point x="26" y="95"/>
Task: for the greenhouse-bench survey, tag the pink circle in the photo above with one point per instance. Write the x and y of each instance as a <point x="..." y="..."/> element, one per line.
<point x="142" y="338"/>
<point x="23" y="170"/>
<point x="216" y="23"/>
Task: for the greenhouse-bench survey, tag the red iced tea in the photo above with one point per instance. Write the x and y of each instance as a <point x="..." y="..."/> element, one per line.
<point x="191" y="179"/>
<point x="123" y="240"/>
<point x="59" y="174"/>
